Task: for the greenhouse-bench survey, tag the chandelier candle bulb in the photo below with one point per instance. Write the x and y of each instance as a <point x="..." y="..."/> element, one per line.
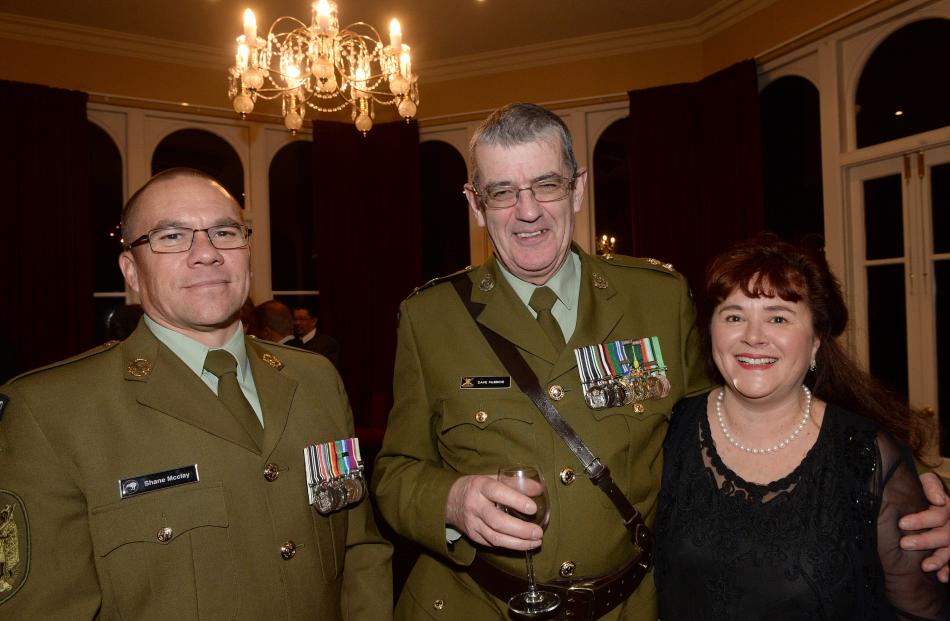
<point x="242" y="55"/>
<point x="323" y="16"/>
<point x="405" y="63"/>
<point x="395" y="35"/>
<point x="250" y="28"/>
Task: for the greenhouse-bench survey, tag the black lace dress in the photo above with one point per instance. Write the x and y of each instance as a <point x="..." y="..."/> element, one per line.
<point x="821" y="543"/>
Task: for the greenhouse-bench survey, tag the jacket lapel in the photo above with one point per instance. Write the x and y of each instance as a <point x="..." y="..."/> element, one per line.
<point x="274" y="390"/>
<point x="505" y="314"/>
<point x="170" y="387"/>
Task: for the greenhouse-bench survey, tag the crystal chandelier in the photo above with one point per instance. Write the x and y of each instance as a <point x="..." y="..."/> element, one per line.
<point x="323" y="67"/>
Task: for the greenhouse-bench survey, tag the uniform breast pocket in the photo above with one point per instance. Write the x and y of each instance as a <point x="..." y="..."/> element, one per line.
<point x="165" y="554"/>
<point x="330" y="533"/>
<point x="489" y="429"/>
<point x="630" y="443"/>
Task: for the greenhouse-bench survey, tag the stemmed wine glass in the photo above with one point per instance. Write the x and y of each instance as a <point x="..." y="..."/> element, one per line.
<point x="528" y="481"/>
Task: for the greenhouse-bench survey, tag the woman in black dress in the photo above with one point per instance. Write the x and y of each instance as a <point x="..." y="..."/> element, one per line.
<point x="782" y="489"/>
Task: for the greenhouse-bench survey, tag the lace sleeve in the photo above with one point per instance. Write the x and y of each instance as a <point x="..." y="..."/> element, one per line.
<point x="913" y="594"/>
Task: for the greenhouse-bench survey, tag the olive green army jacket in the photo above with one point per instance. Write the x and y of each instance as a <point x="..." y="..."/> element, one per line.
<point x="233" y="545"/>
<point x="439" y="430"/>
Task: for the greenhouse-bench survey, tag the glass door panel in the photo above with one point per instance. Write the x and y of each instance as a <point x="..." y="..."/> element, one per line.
<point x="884" y="273"/>
<point x="942" y="309"/>
<point x="939" y="265"/>
<point x="883" y="218"/>
<point x="887" y="326"/>
<point x="940" y="207"/>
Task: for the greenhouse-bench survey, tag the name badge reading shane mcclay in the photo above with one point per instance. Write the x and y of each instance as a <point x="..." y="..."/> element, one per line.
<point x="159" y="480"/>
<point x="495" y="381"/>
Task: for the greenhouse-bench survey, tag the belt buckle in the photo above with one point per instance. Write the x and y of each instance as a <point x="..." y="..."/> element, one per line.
<point x="580" y="599"/>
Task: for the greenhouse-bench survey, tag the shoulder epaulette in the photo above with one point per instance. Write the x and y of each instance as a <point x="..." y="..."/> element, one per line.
<point x="439" y="279"/>
<point x="643" y="263"/>
<point x="266" y="343"/>
<point x="86" y="354"/>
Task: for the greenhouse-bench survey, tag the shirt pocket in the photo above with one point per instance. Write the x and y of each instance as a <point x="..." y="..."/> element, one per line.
<point x="165" y="554"/>
<point x="483" y="431"/>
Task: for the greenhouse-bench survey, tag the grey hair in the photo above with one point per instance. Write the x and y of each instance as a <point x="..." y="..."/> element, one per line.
<point x="521" y="123"/>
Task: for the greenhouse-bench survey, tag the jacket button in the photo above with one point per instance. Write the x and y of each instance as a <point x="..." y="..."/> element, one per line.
<point x="556" y="392"/>
<point x="288" y="550"/>
<point x="271" y="472"/>
<point x="438" y="604"/>
<point x="567" y="569"/>
<point x="480" y="417"/>
<point x="567" y="476"/>
<point x="164" y="534"/>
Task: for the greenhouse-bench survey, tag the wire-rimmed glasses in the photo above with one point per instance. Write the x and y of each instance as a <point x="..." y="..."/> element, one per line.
<point x="545" y="190"/>
<point x="180" y="239"/>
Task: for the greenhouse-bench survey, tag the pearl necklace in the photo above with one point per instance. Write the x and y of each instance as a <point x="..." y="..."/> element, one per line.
<point x="775" y="447"/>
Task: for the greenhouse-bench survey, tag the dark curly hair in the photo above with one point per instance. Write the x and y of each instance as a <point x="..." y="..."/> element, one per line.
<point x="766" y="266"/>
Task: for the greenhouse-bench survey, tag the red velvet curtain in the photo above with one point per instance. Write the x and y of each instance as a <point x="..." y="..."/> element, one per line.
<point x="46" y="257"/>
<point x="696" y="168"/>
<point x="368" y="232"/>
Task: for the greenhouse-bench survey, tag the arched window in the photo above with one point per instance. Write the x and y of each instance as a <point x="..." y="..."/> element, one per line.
<point x="903" y="90"/>
<point x="106" y="168"/>
<point x="204" y="151"/>
<point x="445" y="241"/>
<point x="791" y="153"/>
<point x="612" y="186"/>
<point x="293" y="255"/>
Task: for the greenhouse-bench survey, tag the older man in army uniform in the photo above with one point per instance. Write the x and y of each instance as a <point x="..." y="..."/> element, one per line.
<point x="163" y="477"/>
<point x="458" y="415"/>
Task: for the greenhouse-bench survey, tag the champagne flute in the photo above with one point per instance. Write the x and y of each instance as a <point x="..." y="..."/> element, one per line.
<point x="528" y="481"/>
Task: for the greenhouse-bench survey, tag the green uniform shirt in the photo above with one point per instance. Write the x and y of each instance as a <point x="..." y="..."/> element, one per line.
<point x="193" y="354"/>
<point x="566" y="285"/>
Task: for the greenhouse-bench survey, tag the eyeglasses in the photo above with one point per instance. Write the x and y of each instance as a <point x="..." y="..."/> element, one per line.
<point x="180" y="239"/>
<point x="544" y="190"/>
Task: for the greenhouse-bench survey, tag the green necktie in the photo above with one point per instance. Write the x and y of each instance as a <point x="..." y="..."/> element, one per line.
<point x="542" y="300"/>
<point x="222" y="364"/>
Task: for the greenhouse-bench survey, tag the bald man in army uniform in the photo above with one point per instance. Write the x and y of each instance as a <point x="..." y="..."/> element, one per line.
<point x="459" y="415"/>
<point x="144" y="482"/>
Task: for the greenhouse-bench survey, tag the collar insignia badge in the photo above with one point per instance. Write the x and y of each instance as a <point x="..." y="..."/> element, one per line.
<point x="140" y="367"/>
<point x="272" y="360"/>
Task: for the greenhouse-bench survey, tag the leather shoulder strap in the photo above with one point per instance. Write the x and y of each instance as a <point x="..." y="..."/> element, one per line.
<point x="527" y="381"/>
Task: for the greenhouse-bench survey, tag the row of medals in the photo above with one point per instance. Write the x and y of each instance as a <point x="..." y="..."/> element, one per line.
<point x="631" y="388"/>
<point x="333" y="495"/>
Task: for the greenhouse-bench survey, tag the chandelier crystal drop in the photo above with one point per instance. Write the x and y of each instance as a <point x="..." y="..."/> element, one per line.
<point x="323" y="67"/>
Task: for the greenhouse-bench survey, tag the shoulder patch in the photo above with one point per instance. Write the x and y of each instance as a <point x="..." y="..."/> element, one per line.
<point x="439" y="279"/>
<point x="14" y="544"/>
<point x="643" y="263"/>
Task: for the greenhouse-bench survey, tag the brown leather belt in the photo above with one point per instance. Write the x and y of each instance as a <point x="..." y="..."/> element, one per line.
<point x="582" y="599"/>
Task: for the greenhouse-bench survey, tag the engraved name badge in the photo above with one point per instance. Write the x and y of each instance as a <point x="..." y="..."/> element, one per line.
<point x="159" y="480"/>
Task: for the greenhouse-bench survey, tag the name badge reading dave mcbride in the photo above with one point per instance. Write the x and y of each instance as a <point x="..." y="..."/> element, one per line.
<point x="158" y="480"/>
